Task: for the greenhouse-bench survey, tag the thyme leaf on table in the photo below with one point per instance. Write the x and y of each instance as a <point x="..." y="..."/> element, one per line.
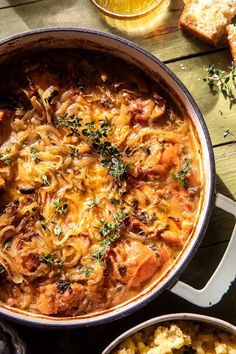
<point x="219" y="80"/>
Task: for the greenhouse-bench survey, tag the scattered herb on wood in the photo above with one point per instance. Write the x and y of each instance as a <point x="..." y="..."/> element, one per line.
<point x="226" y="133"/>
<point x="219" y="80"/>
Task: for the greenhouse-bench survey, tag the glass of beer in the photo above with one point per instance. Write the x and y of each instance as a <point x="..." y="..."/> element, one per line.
<point x="126" y="8"/>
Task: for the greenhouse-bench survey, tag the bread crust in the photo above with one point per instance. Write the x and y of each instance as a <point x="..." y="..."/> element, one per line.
<point x="231" y="36"/>
<point x="191" y="29"/>
<point x="190" y="18"/>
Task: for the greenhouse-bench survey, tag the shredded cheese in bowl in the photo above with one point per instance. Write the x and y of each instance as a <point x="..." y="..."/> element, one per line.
<point x="180" y="337"/>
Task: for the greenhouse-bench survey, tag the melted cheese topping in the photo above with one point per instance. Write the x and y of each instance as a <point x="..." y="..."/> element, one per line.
<point x="100" y="179"/>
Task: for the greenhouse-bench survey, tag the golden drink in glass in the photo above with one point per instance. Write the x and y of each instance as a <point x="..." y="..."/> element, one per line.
<point x="126" y="8"/>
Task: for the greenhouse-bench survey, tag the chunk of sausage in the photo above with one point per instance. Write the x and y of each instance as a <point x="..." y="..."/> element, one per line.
<point x="141" y="110"/>
<point x="151" y="172"/>
<point x="169" y="156"/>
<point x="51" y="302"/>
<point x="158" y="170"/>
<point x="84" y="240"/>
<point x="4" y="114"/>
<point x="134" y="263"/>
<point x="30" y="261"/>
<point x="172" y="238"/>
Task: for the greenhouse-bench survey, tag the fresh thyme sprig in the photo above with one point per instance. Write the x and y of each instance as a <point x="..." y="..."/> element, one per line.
<point x="94" y="134"/>
<point x="110" y="232"/>
<point x="99" y="254"/>
<point x="227" y="132"/>
<point x="183" y="172"/>
<point x="219" y="80"/>
<point x="93" y="203"/>
<point x="6" y="157"/>
<point x="34" y="154"/>
<point x="73" y="122"/>
<point x="60" y="207"/>
<point x="96" y="137"/>
<point x="86" y="271"/>
<point x="51" y="261"/>
<point x="45" y="180"/>
<point x="117" y="168"/>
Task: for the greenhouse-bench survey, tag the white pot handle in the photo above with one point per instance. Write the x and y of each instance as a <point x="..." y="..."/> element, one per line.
<point x="224" y="274"/>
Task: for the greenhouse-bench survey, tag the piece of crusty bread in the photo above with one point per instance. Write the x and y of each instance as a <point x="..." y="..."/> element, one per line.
<point x="231" y="35"/>
<point x="207" y="19"/>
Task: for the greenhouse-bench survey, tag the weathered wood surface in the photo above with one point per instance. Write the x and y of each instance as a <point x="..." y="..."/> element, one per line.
<point x="221" y="223"/>
<point x="6" y="3"/>
<point x="163" y="38"/>
<point x="215" y="108"/>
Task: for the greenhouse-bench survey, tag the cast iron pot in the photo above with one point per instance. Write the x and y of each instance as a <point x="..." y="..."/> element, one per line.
<point x="209" y="321"/>
<point x="219" y="283"/>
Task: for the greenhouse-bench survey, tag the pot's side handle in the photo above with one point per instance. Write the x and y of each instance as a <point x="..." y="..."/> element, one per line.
<point x="224" y="274"/>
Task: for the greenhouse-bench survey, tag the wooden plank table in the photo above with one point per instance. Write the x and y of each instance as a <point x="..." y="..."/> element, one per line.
<point x="188" y="58"/>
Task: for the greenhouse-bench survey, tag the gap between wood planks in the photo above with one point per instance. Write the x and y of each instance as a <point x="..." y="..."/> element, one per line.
<point x="214" y="244"/>
<point x="22" y="3"/>
<point x="195" y="55"/>
<point x="233" y="141"/>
